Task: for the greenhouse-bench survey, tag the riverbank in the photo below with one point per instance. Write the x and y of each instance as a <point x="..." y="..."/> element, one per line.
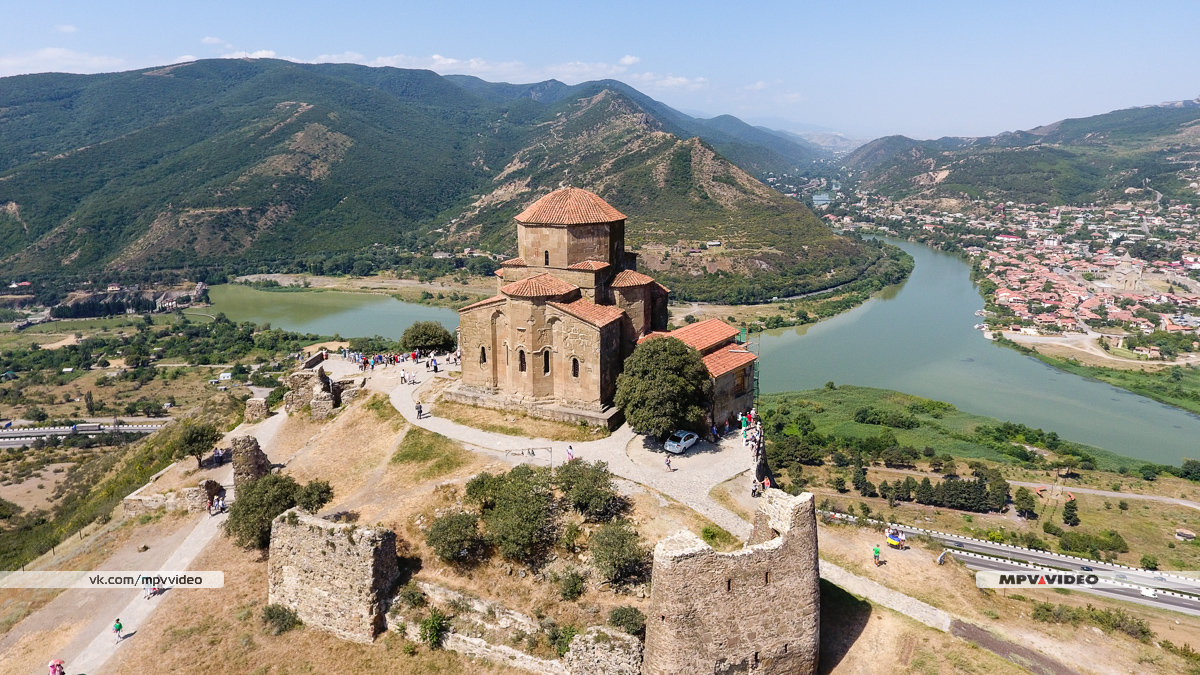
<point x="1173" y="385"/>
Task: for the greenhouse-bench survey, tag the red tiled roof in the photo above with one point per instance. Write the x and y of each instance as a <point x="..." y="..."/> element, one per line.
<point x="727" y="359"/>
<point x="538" y="286"/>
<point x="481" y="303"/>
<point x="591" y="265"/>
<point x="514" y="262"/>
<point x="597" y="315"/>
<point x="706" y="334"/>
<point x="629" y="279"/>
<point x="570" y="206"/>
<point x="657" y="333"/>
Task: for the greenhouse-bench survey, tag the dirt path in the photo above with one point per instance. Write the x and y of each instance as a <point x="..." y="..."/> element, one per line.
<point x="77" y="625"/>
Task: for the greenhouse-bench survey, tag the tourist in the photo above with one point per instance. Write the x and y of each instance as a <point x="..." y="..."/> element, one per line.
<point x="117" y="628"/>
<point x="766" y="482"/>
<point x="875" y="551"/>
<point x="418" y="410"/>
<point x="570" y="454"/>
<point x="668" y="463"/>
<point x="209" y="506"/>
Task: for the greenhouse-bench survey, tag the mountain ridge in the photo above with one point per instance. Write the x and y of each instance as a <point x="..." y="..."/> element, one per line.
<point x="245" y="162"/>
<point x="1071" y="160"/>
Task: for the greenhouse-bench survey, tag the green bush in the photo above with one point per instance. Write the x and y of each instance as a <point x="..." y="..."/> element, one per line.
<point x="616" y="552"/>
<point x="518" y="513"/>
<point x="455" y="539"/>
<point x="588" y="488"/>
<point x="433" y="629"/>
<point x="280" y="619"/>
<point x="411" y="595"/>
<point x="313" y="496"/>
<point x="570" y="585"/>
<point x="627" y="618"/>
<point x="260" y="502"/>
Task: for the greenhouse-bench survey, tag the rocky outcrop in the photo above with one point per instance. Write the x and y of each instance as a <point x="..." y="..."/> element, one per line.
<point x="337" y="578"/>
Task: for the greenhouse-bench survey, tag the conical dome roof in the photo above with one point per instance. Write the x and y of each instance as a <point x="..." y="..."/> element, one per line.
<point x="570" y="206"/>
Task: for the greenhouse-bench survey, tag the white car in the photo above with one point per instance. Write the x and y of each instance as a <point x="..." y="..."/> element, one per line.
<point x="679" y="442"/>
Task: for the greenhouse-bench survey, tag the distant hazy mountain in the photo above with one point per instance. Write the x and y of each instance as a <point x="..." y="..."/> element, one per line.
<point x="1068" y="161"/>
<point x="200" y="163"/>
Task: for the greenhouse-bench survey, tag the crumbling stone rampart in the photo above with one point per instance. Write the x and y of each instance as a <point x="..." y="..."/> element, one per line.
<point x="602" y="651"/>
<point x="337" y="578"/>
<point x="321" y="395"/>
<point x="753" y="610"/>
<point x="256" y="410"/>
<point x="249" y="461"/>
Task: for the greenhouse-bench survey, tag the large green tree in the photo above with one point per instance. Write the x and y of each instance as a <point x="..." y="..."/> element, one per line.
<point x="428" y="336"/>
<point x="665" y="386"/>
<point x="198" y="440"/>
<point x="260" y="502"/>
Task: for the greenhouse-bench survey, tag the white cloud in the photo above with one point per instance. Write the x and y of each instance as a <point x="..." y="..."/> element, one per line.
<point x="757" y="86"/>
<point x="628" y="60"/>
<point x="344" y="57"/>
<point x="257" y="54"/>
<point x="57" y="59"/>
<point x="210" y="40"/>
<point x="66" y="28"/>
<point x="653" y="81"/>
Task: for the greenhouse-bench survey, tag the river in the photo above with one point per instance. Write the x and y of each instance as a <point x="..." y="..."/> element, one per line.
<point x="916" y="338"/>
<point x="919" y="338"/>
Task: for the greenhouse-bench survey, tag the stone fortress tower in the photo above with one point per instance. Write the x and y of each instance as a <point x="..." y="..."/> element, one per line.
<point x="569" y="309"/>
<point x="753" y="610"/>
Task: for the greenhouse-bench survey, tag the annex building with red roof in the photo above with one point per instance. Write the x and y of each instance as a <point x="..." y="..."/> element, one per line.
<point x="570" y="307"/>
<point x="730" y="365"/>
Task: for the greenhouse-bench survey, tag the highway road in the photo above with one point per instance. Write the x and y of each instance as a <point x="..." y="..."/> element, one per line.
<point x="1134" y="595"/>
<point x="1152" y="579"/>
<point x="18" y="436"/>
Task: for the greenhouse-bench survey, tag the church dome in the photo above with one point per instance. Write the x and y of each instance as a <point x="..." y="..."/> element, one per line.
<point x="570" y="206"/>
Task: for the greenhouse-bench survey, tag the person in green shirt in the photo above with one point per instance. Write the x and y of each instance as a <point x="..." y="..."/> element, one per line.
<point x="117" y="627"/>
<point x="876" y="552"/>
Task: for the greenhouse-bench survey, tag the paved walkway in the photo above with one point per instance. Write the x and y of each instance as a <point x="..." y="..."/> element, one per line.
<point x="628" y="456"/>
<point x="84" y="655"/>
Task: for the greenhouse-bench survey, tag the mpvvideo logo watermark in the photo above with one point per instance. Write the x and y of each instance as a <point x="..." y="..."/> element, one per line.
<point x="115" y="579"/>
<point x="1036" y="579"/>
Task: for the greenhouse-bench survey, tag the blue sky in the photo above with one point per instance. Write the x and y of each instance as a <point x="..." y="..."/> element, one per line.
<point x="864" y="68"/>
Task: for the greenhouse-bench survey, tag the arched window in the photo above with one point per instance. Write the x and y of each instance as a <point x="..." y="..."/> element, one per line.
<point x="521" y="360"/>
<point x="546" y="362"/>
<point x="574" y="367"/>
<point x="547" y="255"/>
<point x="482" y="355"/>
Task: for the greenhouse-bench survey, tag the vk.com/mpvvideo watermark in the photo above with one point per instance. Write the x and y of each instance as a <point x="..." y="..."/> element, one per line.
<point x="115" y="579"/>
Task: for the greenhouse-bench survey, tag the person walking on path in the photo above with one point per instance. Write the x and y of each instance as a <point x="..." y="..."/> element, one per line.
<point x="418" y="410"/>
<point x="668" y="463"/>
<point x="875" y="551"/>
<point x="570" y="454"/>
<point x="117" y="628"/>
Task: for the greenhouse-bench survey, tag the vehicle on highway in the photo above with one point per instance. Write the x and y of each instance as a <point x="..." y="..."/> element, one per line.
<point x="1085" y="568"/>
<point x="1149" y="592"/>
<point x="679" y="442"/>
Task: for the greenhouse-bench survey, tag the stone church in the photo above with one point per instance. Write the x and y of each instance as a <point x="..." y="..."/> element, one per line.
<point x="569" y="309"/>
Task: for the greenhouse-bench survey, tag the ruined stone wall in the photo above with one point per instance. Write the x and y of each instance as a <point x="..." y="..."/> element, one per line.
<point x="249" y="461"/>
<point x="256" y="410"/>
<point x="603" y="651"/>
<point x="337" y="578"/>
<point x="757" y="609"/>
